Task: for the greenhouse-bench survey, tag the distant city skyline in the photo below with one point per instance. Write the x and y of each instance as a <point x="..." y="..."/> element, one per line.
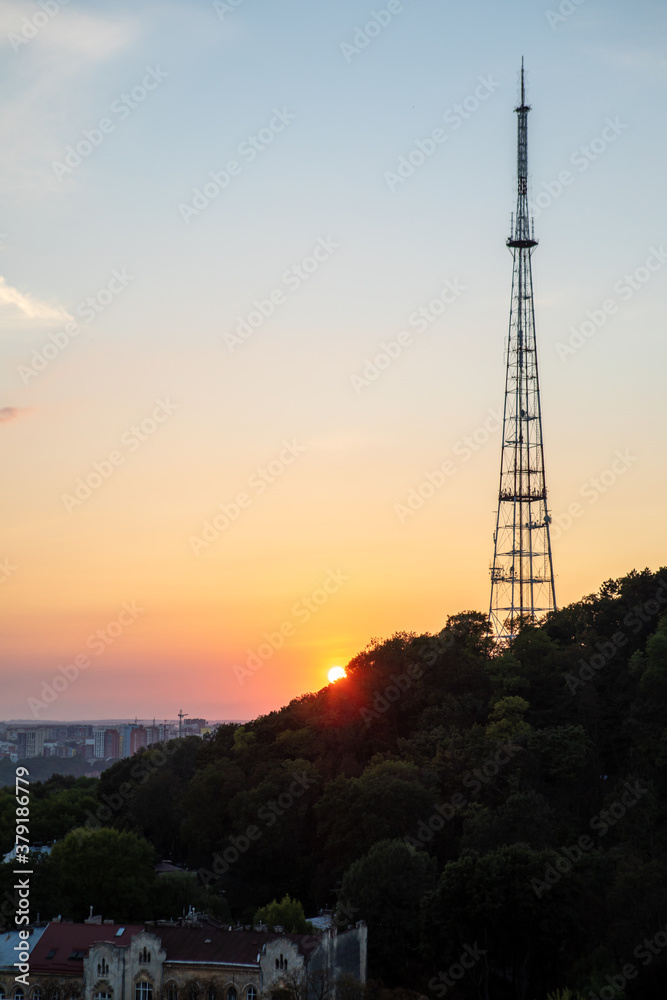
<point x="94" y="741"/>
<point x="105" y="722"/>
<point x="253" y="300"/>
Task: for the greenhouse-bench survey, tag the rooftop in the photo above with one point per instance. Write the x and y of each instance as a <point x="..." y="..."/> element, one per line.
<point x="59" y="943"/>
<point x="61" y="948"/>
<point x="11" y="938"/>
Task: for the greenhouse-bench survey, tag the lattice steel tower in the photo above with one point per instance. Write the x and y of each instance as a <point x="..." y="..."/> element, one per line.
<point x="522" y="576"/>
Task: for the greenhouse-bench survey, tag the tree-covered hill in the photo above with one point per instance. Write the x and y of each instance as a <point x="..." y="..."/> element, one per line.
<point x="498" y="817"/>
<point x="43" y="768"/>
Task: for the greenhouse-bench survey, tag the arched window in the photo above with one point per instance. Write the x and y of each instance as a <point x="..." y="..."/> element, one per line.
<point x="231" y="993"/>
<point x="193" y="991"/>
<point x="172" y="991"/>
<point x="102" y="996"/>
<point x="251" y="993"/>
<point x="2" y="992"/>
<point x="143" y="990"/>
<point x="144" y="956"/>
<point x="211" y="992"/>
<point x="36" y="993"/>
<point x="103" y="968"/>
<point x="19" y="994"/>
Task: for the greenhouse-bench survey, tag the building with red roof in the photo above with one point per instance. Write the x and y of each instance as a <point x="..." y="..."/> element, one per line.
<point x="95" y="961"/>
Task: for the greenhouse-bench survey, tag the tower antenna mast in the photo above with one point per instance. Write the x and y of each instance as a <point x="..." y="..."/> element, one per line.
<point x="522" y="576"/>
<point x="181" y="715"/>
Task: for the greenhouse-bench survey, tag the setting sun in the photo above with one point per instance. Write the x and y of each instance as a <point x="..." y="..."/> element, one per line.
<point x="335" y="674"/>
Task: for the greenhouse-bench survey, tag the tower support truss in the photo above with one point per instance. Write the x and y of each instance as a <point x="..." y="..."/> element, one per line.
<point x="522" y="576"/>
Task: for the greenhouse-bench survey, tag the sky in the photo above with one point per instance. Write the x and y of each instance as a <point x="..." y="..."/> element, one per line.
<point x="215" y="217"/>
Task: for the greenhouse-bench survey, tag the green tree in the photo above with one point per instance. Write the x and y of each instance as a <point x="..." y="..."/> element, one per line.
<point x="387" y="801"/>
<point x="287" y="914"/>
<point x="654" y="679"/>
<point x="488" y="901"/>
<point x="176" y="892"/>
<point x="506" y="722"/>
<point x="387" y="886"/>
<point x="207" y="807"/>
<point x="524" y="817"/>
<point x="56" y="807"/>
<point x="277" y="855"/>
<point x="146" y="793"/>
<point x="472" y="630"/>
<point x="44" y="897"/>
<point x="563" y="751"/>
<point x="112" y="871"/>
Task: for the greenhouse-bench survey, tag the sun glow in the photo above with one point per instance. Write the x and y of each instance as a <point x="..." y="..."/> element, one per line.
<point x="335" y="674"/>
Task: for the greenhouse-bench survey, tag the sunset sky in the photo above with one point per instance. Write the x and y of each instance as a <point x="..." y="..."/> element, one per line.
<point x="144" y="394"/>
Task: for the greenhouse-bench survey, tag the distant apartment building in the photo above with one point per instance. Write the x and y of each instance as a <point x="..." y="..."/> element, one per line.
<point x="86" y="749"/>
<point x="193" y="727"/>
<point x="106" y="743"/>
<point x="99" y="735"/>
<point x="8" y="750"/>
<point x="79" y="732"/>
<point x="124" y="734"/>
<point x="56" y="734"/>
<point x="29" y="743"/>
<point x="111" y="743"/>
<point x="138" y="738"/>
<point x="153" y="734"/>
<point x="134" y="736"/>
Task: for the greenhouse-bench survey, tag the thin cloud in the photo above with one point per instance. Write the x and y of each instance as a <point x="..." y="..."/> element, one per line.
<point x="47" y="86"/>
<point x="8" y="413"/>
<point x="30" y="307"/>
<point x="648" y="60"/>
<point x="67" y="31"/>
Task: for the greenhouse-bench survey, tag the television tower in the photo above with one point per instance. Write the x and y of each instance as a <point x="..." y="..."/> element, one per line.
<point x="522" y="575"/>
<point x="181" y="716"/>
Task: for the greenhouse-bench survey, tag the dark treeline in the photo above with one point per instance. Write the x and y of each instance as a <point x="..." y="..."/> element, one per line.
<point x="498" y="818"/>
<point x="43" y="768"/>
